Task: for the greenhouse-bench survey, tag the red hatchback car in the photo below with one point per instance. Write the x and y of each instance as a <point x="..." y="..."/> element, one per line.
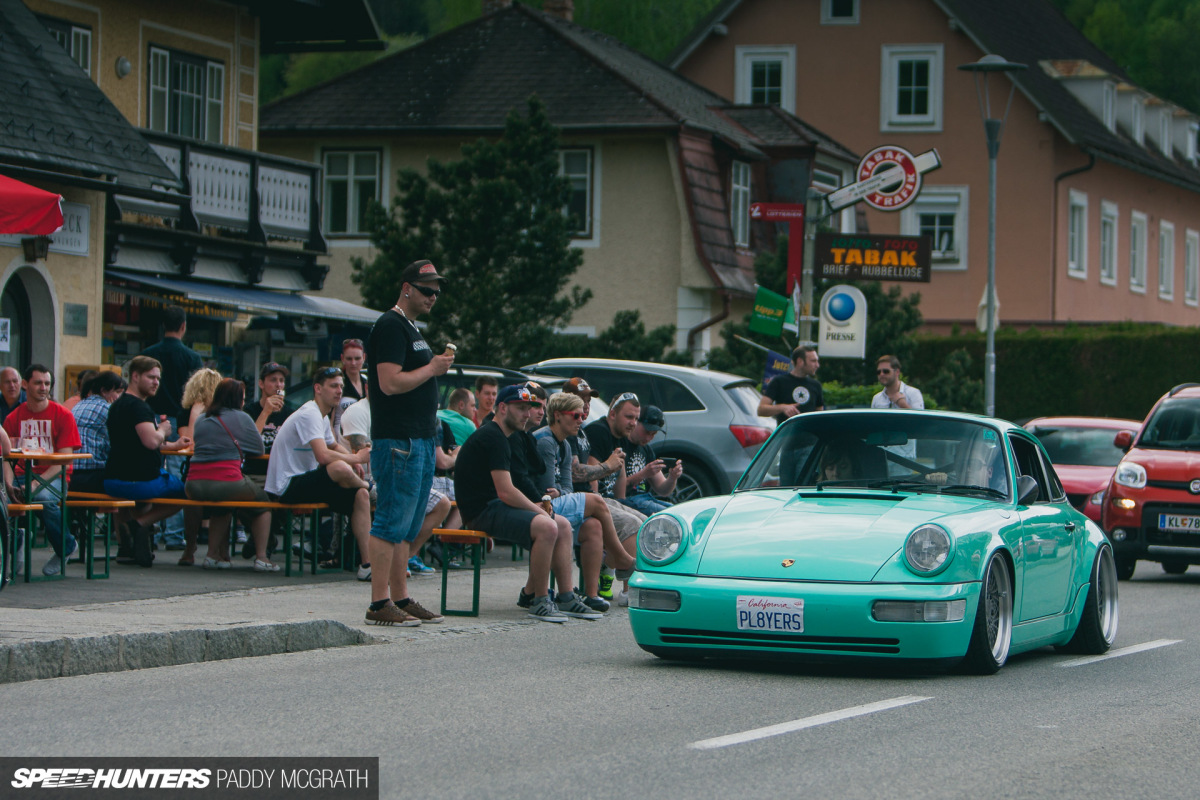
<point x="1083" y="454"/>
<point x="1152" y="505"/>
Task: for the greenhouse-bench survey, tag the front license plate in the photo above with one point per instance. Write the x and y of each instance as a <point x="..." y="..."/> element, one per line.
<point x="780" y="614"/>
<point x="1176" y="522"/>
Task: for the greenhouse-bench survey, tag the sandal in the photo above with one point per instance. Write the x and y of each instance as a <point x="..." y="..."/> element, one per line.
<point x="186" y="561"/>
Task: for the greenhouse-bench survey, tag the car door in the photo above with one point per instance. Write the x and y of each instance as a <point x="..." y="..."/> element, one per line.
<point x="1048" y="533"/>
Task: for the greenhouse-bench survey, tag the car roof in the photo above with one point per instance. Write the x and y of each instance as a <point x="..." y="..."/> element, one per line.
<point x="638" y="366"/>
<point x="1084" y="422"/>
<point x="999" y="424"/>
<point x="1183" y="390"/>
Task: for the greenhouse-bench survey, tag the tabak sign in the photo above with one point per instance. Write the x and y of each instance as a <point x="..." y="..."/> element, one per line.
<point x="873" y="257"/>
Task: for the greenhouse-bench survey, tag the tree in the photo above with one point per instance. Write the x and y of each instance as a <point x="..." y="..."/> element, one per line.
<point x="494" y="222"/>
<point x="954" y="387"/>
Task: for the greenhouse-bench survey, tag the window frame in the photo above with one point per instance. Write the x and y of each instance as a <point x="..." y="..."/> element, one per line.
<point x="1109" y="105"/>
<point x="945" y="196"/>
<point x="162" y="87"/>
<point x="1164" y="133"/>
<point x="1138" y="224"/>
<point x="1166" y="260"/>
<point x="353" y="212"/>
<point x="589" y="231"/>
<point x="890" y="120"/>
<point x="828" y="18"/>
<point x="1110" y="217"/>
<point x="1077" y="242"/>
<point x="1191" y="267"/>
<point x="739" y="202"/>
<point x="847" y="216"/>
<point x="70" y="35"/>
<point x="745" y="58"/>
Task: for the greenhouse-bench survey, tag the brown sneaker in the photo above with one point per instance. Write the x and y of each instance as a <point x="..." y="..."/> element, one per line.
<point x="392" y="615"/>
<point x="421" y="612"/>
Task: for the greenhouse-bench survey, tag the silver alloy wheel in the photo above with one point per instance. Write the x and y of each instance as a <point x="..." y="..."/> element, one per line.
<point x="998" y="608"/>
<point x="1106" y="595"/>
<point x="686" y="488"/>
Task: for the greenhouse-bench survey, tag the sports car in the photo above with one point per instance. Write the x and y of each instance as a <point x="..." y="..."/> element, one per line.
<point x="937" y="538"/>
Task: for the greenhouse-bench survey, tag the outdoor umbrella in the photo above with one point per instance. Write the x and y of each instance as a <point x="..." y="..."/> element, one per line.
<point x="28" y="209"/>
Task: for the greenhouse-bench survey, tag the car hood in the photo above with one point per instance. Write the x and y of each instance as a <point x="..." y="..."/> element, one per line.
<point x="1083" y="480"/>
<point x="1167" y="465"/>
<point x="827" y="536"/>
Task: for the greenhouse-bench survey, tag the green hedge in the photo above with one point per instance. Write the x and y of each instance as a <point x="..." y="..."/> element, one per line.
<point x="1104" y="371"/>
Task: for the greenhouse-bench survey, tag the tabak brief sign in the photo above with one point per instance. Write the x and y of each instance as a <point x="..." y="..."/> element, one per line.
<point x="873" y="257"/>
<point x="842" y="325"/>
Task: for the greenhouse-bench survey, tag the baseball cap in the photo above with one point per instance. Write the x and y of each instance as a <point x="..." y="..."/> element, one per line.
<point x="273" y="366"/>
<point x="422" y="270"/>
<point x="580" y="387"/>
<point x="652" y="419"/>
<point x="516" y="393"/>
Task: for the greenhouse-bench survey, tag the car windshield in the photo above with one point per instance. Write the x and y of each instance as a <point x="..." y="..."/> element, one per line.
<point x="1079" y="447"/>
<point x="1175" y="425"/>
<point x="882" y="450"/>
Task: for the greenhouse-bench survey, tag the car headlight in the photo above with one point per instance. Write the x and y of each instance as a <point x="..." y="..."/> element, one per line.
<point x="927" y="549"/>
<point x="660" y="538"/>
<point x="1131" y="475"/>
<point x="1098" y="498"/>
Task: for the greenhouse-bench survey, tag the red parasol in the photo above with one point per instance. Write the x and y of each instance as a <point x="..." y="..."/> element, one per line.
<point x="28" y="209"/>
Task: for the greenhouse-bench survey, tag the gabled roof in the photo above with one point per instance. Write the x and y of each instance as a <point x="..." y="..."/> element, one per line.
<point x="53" y="117"/>
<point x="1029" y="32"/>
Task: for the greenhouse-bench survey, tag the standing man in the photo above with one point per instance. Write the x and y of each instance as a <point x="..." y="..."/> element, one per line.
<point x="178" y="363"/>
<point x="402" y="386"/>
<point x="486" y="388"/>
<point x="459" y="414"/>
<point x="51" y="428"/>
<point x="895" y="393"/>
<point x="11" y="393"/>
<point x="797" y="392"/>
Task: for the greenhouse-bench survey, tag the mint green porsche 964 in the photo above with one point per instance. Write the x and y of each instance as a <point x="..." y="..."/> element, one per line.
<point x="931" y="537"/>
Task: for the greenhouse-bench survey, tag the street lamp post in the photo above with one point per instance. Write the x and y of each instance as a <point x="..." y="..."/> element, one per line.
<point x="994" y="129"/>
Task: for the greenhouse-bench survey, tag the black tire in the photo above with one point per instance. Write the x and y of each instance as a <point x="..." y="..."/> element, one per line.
<point x="1097" y="628"/>
<point x="693" y="484"/>
<point x="1175" y="567"/>
<point x="1125" y="568"/>
<point x="991" y="637"/>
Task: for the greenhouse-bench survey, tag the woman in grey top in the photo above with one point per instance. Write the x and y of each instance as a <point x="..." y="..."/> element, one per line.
<point x="222" y="437"/>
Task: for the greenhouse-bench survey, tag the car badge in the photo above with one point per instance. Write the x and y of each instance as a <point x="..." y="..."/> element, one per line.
<point x="1194" y="486"/>
<point x="787" y="562"/>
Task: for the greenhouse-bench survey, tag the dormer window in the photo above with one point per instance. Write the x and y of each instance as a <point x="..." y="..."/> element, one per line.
<point x="1110" y="106"/>
<point x="1136" y="128"/>
<point x="1164" y="132"/>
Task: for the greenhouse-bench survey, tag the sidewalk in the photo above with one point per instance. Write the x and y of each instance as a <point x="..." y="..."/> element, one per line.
<point x="170" y="615"/>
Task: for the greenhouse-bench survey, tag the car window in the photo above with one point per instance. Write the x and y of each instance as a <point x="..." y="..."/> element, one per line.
<point x="1029" y="462"/>
<point x="745" y="397"/>
<point x="1079" y="447"/>
<point x="610" y="382"/>
<point x="674" y="396"/>
<point x="1175" y="425"/>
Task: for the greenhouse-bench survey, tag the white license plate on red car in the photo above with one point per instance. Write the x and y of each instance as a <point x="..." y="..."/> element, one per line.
<point x="1178" y="522"/>
<point x="776" y="614"/>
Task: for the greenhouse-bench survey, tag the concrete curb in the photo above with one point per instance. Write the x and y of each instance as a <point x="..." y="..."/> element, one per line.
<point x="35" y="660"/>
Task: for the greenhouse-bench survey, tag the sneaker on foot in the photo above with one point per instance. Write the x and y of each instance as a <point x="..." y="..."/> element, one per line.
<point x="418" y="567"/>
<point x="54" y="565"/>
<point x="391" y="615"/>
<point x="596" y="603"/>
<point x="569" y="604"/>
<point x="415" y="609"/>
<point x="524" y="599"/>
<point x="606" y="582"/>
<point x="623" y="599"/>
<point x="264" y="566"/>
<point x="544" y="610"/>
<point x="364" y="572"/>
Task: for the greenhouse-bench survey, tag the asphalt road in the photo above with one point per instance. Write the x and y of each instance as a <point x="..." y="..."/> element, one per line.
<point x="543" y="711"/>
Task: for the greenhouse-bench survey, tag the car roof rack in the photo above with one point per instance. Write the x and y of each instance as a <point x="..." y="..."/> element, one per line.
<point x="1181" y="387"/>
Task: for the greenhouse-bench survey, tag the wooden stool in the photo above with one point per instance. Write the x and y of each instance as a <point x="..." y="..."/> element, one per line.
<point x="106" y="508"/>
<point x="476" y="540"/>
<point x="16" y="509"/>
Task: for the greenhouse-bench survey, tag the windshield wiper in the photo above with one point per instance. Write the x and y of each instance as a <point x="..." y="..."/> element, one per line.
<point x="908" y="484"/>
<point x="962" y="488"/>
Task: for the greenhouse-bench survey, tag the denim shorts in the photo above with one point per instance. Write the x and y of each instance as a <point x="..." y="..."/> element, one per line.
<point x="403" y="472"/>
<point x="164" y="485"/>
<point x="571" y="506"/>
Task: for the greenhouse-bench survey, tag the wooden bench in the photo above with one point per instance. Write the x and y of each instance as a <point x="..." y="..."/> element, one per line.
<point x="310" y="510"/>
<point x="477" y="541"/>
<point x="15" y="510"/>
<point x="106" y="508"/>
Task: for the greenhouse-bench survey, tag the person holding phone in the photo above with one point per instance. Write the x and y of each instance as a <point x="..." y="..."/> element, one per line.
<point x="649" y="481"/>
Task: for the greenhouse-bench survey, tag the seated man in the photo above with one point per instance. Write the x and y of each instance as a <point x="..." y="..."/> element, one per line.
<point x="49" y="427"/>
<point x="137" y="436"/>
<point x="491" y="502"/>
<point x="459" y="414"/>
<point x="648" y="481"/>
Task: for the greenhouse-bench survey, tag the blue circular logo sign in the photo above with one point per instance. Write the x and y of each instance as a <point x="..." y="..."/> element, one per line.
<point x="840" y="308"/>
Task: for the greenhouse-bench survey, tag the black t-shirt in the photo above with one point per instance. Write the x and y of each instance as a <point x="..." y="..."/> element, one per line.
<point x="804" y="392"/>
<point x="603" y="443"/>
<point x="444" y="438"/>
<point x="637" y="456"/>
<point x="178" y="363"/>
<point x="485" y="451"/>
<point x="581" y="448"/>
<point x="408" y="415"/>
<point x="527" y="465"/>
<point x="128" y="458"/>
<point x="269" y="431"/>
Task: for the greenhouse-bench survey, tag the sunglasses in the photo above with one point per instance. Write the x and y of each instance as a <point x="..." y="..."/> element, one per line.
<point x="427" y="291"/>
<point x="883" y="372"/>
<point x="574" y="414"/>
<point x="352" y="343"/>
<point x="328" y="372"/>
<point x="626" y="397"/>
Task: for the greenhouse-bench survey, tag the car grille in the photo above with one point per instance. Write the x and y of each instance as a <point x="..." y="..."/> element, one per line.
<point x="782" y="641"/>
<point x="1168" y="538"/>
<point x="1182" y="486"/>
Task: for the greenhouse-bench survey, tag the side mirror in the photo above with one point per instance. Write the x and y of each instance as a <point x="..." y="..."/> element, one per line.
<point x="1123" y="440"/>
<point x="1027" y="491"/>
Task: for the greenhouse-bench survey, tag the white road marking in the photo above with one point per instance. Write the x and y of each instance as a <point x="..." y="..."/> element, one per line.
<point x="1123" y="651"/>
<point x="807" y="722"/>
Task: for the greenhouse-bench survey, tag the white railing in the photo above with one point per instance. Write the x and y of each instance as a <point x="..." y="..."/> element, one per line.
<point x="285" y="201"/>
<point x="220" y="189"/>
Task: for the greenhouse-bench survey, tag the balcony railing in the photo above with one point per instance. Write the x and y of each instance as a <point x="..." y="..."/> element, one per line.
<point x="243" y="191"/>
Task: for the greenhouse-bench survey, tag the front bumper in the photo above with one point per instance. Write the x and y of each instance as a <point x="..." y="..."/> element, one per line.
<point x="1142" y="538"/>
<point x="838" y="620"/>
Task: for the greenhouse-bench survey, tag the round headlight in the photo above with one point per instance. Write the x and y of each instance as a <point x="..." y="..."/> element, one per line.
<point x="1131" y="475"/>
<point x="660" y="538"/>
<point x="927" y="549"/>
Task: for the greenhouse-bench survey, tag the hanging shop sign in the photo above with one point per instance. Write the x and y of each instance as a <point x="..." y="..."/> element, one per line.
<point x="873" y="257"/>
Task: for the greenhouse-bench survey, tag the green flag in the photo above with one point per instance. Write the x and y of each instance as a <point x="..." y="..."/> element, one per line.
<point x="769" y="310"/>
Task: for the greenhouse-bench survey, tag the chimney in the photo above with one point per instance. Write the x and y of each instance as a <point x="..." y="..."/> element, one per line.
<point x="491" y="6"/>
<point x="564" y="9"/>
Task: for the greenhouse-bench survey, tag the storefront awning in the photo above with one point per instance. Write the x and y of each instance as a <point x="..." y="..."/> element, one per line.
<point x="252" y="300"/>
